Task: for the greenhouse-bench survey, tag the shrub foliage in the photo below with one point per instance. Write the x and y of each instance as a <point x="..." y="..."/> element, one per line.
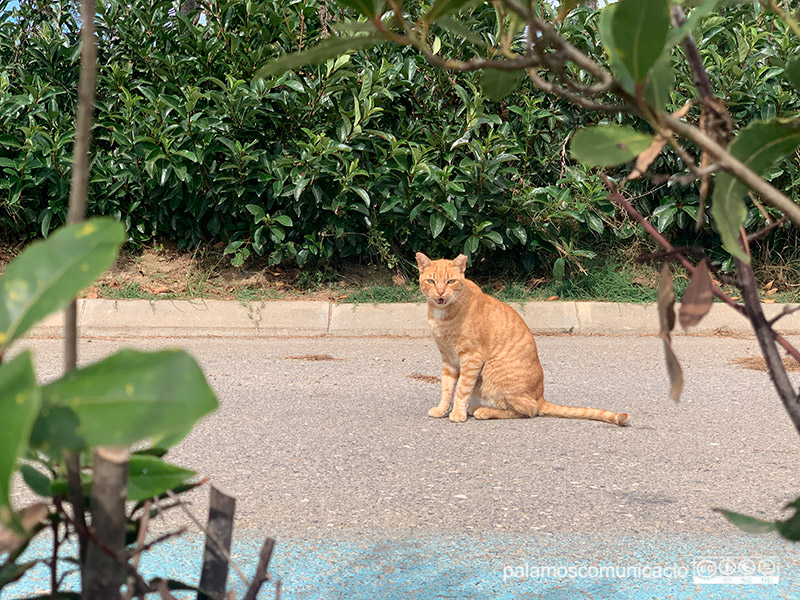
<point x="372" y="155"/>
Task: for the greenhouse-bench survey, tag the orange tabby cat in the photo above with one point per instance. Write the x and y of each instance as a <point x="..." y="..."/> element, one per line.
<point x="489" y="358"/>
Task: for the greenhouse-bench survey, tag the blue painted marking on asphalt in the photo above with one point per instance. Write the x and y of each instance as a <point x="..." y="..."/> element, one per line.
<point x="556" y="566"/>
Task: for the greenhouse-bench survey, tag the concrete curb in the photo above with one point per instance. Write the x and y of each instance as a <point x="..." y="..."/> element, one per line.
<point x="279" y="318"/>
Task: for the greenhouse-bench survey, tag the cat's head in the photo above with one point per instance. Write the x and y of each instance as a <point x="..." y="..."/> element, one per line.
<point x="441" y="281"/>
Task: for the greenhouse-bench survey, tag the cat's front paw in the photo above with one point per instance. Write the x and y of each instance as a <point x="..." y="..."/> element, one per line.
<point x="458" y="416"/>
<point x="437" y="413"/>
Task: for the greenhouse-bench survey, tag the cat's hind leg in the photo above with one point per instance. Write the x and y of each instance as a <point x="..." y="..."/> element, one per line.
<point x="486" y="412"/>
<point x="475" y="398"/>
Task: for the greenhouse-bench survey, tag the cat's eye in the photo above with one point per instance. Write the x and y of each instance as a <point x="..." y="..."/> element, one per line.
<point x="431" y="281"/>
<point x="451" y="281"/>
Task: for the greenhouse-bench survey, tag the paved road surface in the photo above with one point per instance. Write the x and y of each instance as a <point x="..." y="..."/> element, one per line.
<point x="370" y="498"/>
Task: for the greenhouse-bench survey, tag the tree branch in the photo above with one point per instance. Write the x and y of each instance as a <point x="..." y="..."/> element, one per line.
<point x="617" y="199"/>
<point x="103" y="574"/>
<point x="768" y="193"/>
<point x="766" y="341"/>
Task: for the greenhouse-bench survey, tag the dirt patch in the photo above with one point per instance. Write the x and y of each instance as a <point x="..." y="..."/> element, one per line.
<point x="757" y="363"/>
<point x="314" y="357"/>
<point x="424" y="378"/>
<point x="163" y="272"/>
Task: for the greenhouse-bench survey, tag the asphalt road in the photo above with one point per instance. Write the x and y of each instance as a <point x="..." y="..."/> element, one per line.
<point x="333" y="454"/>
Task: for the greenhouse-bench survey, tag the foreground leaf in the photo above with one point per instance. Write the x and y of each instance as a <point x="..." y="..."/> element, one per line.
<point x="640" y="29"/>
<point x="793" y="73"/>
<point x="331" y="47"/>
<point x="606" y="31"/>
<point x="125" y="398"/>
<point x="366" y="8"/>
<point x="19" y="404"/>
<point x="608" y="145"/>
<point x="759" y="146"/>
<point x="698" y="297"/>
<point x="11" y="572"/>
<point x="150" y="476"/>
<point x="666" y="319"/>
<point x="443" y="8"/>
<point x="497" y="84"/>
<point x="746" y="523"/>
<point x="51" y="272"/>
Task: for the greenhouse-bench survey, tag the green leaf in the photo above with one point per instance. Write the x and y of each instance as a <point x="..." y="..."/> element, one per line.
<point x="594" y="222"/>
<point x="442" y="8"/>
<point x="50" y="273"/>
<point x="518" y="231"/>
<point x="362" y="193"/>
<point x="559" y="267"/>
<point x="497" y="84"/>
<point x="128" y="397"/>
<point x="437" y="223"/>
<point x="150" y="476"/>
<point x="326" y="49"/>
<point x="11" y="572"/>
<point x="36" y="480"/>
<point x="256" y="211"/>
<point x="19" y="404"/>
<point x="758" y="146"/>
<point x="748" y="524"/>
<point x="232" y="247"/>
<point x="495" y="236"/>
<point x="366" y="8"/>
<point x="640" y="29"/>
<point x="659" y="82"/>
<point x="284" y="220"/>
<point x="608" y="145"/>
<point x="452" y="212"/>
<point x="459" y="29"/>
<point x="793" y="73"/>
<point x="606" y="31"/>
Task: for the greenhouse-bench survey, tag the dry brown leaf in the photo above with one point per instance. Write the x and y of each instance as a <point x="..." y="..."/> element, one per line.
<point x="551" y="298"/>
<point x="768" y="300"/>
<point x="647" y="156"/>
<point x="698" y="297"/>
<point x="30" y="516"/>
<point x="666" y="302"/>
<point x="674" y="371"/>
<point x="666" y="319"/>
<point x="735" y="298"/>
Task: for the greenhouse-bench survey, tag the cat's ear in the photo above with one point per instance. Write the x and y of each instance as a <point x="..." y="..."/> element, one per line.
<point x="422" y="261"/>
<point x="460" y="262"/>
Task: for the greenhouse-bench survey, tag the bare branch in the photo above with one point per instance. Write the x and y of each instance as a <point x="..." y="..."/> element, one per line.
<point x="261" y="576"/>
<point x="784" y="313"/>
<point x="764" y="231"/>
<point x="766" y="340"/>
<point x="552" y="88"/>
<point x="617" y="198"/>
<point x="699" y="75"/>
<point x="143" y="524"/>
<point x="205" y="530"/>
<point x="103" y="575"/>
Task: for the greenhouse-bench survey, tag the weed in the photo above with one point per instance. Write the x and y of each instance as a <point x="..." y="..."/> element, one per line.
<point x="379" y="294"/>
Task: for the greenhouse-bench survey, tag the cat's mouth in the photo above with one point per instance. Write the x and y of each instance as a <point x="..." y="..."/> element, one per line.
<point x="441" y="301"/>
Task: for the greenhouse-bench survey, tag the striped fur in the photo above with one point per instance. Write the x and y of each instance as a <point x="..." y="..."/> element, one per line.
<point x="490" y="366"/>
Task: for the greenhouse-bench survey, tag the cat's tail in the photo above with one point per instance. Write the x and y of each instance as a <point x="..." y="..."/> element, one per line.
<point x="546" y="409"/>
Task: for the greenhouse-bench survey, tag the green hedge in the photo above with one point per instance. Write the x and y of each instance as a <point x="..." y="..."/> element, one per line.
<point x="373" y="156"/>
